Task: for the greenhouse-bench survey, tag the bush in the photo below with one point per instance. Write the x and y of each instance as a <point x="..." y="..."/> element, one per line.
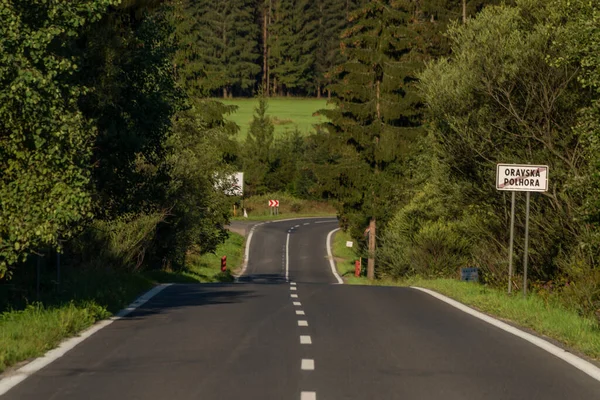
<point x="437" y="233"/>
<point x="120" y="243"/>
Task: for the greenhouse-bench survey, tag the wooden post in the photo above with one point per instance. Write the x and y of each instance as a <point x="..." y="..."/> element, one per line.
<point x="464" y="11"/>
<point x="371" y="262"/>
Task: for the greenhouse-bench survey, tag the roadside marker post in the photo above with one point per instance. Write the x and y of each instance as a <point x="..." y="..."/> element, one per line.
<point x="274" y="207"/>
<point x="223" y="263"/>
<point x="520" y="178"/>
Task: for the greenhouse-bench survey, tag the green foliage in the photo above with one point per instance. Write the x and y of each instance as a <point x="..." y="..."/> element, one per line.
<point x="257" y="206"/>
<point x="377" y="114"/>
<point x="218" y="46"/>
<point x="121" y="243"/>
<point x="128" y="63"/>
<point x="258" y="150"/>
<point x="45" y="141"/>
<point x="293" y="43"/>
<point x="198" y="209"/>
<point x="499" y="100"/>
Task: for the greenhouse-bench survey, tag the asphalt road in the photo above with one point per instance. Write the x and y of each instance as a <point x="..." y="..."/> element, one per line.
<point x="257" y="340"/>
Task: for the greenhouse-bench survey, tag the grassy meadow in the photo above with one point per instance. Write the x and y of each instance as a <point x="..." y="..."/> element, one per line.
<point x="287" y="114"/>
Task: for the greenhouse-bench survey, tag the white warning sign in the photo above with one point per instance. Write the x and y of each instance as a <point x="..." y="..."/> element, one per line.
<point x="522" y="178"/>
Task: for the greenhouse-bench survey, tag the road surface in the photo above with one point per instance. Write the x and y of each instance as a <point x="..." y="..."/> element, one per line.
<point x="265" y="338"/>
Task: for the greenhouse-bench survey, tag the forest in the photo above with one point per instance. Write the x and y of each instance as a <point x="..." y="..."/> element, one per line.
<point x="113" y="139"/>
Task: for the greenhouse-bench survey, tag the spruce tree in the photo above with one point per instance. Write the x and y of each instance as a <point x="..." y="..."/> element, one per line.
<point x="377" y="111"/>
<point x="218" y="46"/>
<point x="333" y="20"/>
<point x="258" y="149"/>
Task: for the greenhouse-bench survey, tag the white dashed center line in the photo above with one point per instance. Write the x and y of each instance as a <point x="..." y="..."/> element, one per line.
<point x="308" y="396"/>
<point x="302" y="323"/>
<point x="294" y="296"/>
<point x="308" y="364"/>
<point x="293" y="288"/>
<point x="307" y="223"/>
<point x="297" y="303"/>
<point x="293" y="283"/>
<point x="305" y="339"/>
<point x="299" y="312"/>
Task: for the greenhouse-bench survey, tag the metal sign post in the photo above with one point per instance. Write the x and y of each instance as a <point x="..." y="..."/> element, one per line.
<point x="274" y="207"/>
<point x="520" y="178"/>
<point x="512" y="239"/>
<point x="526" y="251"/>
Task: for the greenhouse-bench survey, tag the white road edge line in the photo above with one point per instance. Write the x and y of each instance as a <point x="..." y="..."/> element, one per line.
<point x="579" y="363"/>
<point x="308" y="396"/>
<point x="37" y="364"/>
<point x="330" y="256"/>
<point x="247" y="253"/>
<point x="287" y="258"/>
<point x="307" y="364"/>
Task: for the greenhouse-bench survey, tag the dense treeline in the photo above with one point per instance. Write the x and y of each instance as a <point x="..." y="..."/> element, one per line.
<point x="427" y="104"/>
<point x="103" y="155"/>
<point x="109" y="140"/>
<point x="289" y="47"/>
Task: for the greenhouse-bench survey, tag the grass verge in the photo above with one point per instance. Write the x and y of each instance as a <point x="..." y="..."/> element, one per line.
<point x="289" y="207"/>
<point x="545" y="316"/>
<point x="91" y="295"/>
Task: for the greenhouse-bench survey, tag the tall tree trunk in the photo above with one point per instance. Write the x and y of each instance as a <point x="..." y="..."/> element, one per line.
<point x="372" y="244"/>
<point x="378" y="103"/>
<point x="318" y="91"/>
<point x="464" y="11"/>
<point x="224" y="92"/>
<point x="328" y="94"/>
<point x="265" y="82"/>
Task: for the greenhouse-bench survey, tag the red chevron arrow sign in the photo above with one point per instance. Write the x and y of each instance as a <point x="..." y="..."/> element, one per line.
<point x="273" y="203"/>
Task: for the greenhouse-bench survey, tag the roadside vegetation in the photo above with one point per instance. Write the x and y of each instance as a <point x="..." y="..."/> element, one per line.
<point x="258" y="208"/>
<point x="115" y="153"/>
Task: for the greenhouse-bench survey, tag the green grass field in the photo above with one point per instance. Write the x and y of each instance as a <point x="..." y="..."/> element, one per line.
<point x="287" y="114"/>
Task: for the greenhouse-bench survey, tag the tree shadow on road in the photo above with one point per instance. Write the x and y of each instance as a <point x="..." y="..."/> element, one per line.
<point x="192" y="295"/>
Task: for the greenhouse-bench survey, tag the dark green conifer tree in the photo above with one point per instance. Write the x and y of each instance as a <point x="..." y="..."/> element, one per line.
<point x="218" y="46"/>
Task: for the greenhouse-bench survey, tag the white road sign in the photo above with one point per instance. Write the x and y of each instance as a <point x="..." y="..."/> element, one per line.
<point x="233" y="185"/>
<point x="522" y="178"/>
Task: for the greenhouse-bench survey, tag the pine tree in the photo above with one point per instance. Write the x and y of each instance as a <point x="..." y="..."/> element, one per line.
<point x="333" y="20"/>
<point x="377" y="111"/>
<point x="218" y="46"/>
<point x="292" y="44"/>
<point x="257" y="149"/>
